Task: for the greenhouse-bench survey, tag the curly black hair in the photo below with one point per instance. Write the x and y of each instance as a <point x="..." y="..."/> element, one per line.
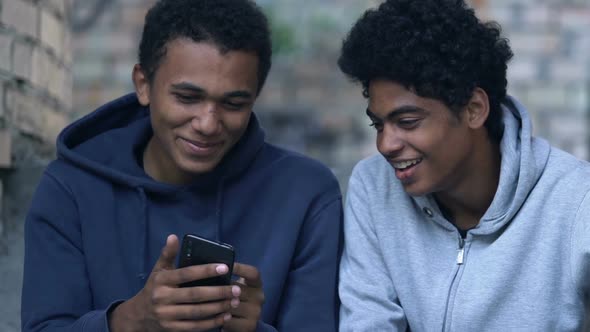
<point x="437" y="48"/>
<point x="231" y="25"/>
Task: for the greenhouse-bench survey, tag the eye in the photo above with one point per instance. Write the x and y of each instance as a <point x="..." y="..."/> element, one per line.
<point x="377" y="125"/>
<point x="234" y="106"/>
<point x="408" y="123"/>
<point x="187" y="99"/>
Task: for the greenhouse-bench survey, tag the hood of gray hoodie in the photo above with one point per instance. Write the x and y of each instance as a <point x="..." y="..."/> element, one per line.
<point x="522" y="165"/>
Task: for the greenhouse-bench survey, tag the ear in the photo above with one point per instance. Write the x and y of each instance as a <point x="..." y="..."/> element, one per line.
<point x="478" y="109"/>
<point x="142" y="85"/>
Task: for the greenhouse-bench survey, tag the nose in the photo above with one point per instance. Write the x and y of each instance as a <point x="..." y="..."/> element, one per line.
<point x="390" y="142"/>
<point x="207" y="121"/>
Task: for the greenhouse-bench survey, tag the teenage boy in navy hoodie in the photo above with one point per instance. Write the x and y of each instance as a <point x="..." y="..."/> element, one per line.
<point x="465" y="221"/>
<point x="183" y="154"/>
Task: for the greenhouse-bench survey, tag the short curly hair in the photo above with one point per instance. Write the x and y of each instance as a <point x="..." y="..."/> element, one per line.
<point x="232" y="25"/>
<point x="437" y="48"/>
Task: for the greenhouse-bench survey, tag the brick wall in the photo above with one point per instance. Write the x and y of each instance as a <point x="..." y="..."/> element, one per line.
<point x="35" y="96"/>
<point x="550" y="72"/>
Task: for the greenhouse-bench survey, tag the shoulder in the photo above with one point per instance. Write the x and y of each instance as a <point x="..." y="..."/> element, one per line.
<point x="563" y="182"/>
<point x="567" y="171"/>
<point x="71" y="177"/>
<point x="294" y="165"/>
<point x="375" y="174"/>
<point x="372" y="166"/>
<point x="61" y="172"/>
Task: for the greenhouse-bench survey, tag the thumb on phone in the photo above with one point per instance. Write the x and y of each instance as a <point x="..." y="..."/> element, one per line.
<point x="168" y="255"/>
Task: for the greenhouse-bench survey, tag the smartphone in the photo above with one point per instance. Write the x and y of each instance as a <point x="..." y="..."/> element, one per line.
<point x="196" y="250"/>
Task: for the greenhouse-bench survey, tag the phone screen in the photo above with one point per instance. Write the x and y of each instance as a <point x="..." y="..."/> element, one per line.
<point x="196" y="250"/>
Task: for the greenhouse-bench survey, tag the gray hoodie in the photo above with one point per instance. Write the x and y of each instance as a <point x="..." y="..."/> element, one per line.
<point x="525" y="267"/>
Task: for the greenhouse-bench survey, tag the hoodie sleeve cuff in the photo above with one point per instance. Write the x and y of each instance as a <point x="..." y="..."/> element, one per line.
<point x="104" y="325"/>
<point x="263" y="327"/>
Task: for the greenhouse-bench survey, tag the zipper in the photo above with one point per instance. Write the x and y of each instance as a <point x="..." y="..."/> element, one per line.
<point x="461" y="251"/>
<point x="452" y="289"/>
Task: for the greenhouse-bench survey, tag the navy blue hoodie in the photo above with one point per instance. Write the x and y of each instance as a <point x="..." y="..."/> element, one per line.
<point x="98" y="222"/>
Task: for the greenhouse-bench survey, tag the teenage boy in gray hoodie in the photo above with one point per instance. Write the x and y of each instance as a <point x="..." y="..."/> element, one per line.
<point x="465" y="222"/>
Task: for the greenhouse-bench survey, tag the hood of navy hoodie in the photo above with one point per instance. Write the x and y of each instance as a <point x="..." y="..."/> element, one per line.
<point x="110" y="140"/>
<point x="109" y="143"/>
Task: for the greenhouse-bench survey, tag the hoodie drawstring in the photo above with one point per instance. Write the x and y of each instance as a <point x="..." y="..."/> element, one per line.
<point x="142" y="275"/>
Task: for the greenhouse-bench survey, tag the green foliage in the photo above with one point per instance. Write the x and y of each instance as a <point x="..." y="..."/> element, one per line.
<point x="283" y="35"/>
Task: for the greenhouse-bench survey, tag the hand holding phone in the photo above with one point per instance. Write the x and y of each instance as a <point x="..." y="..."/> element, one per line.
<point x="196" y="250"/>
<point x="246" y="315"/>
<point x="162" y="305"/>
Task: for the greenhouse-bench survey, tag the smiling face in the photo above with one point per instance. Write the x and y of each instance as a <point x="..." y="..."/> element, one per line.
<point x="200" y="104"/>
<point x="427" y="145"/>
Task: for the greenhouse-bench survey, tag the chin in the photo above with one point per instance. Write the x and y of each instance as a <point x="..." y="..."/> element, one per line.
<point x="201" y="169"/>
<point x="192" y="167"/>
<point x="415" y="191"/>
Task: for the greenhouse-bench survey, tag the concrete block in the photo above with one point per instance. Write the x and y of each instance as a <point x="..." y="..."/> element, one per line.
<point x="67" y="93"/>
<point x="5" y="49"/>
<point x="41" y="64"/>
<point x="20" y="15"/>
<point x="133" y="16"/>
<point x="2" y="111"/>
<point x="534" y="43"/>
<point x="522" y="69"/>
<point x="22" y="59"/>
<point x="52" y="31"/>
<point x="501" y="14"/>
<point x="29" y="120"/>
<point x="67" y="49"/>
<point x="57" y="6"/>
<point x="547" y="96"/>
<point x="49" y="75"/>
<point x="569" y="71"/>
<point x="5" y="149"/>
<point x="1" y="211"/>
<point x="53" y="123"/>
<point x="576" y="18"/>
<point x="56" y="80"/>
<point x="540" y="14"/>
<point x="581" y="48"/>
<point x="35" y="118"/>
<point x="24" y="110"/>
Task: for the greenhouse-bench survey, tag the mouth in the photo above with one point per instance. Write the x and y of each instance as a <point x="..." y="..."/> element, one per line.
<point x="406" y="164"/>
<point x="200" y="148"/>
<point x="200" y="144"/>
<point x="406" y="169"/>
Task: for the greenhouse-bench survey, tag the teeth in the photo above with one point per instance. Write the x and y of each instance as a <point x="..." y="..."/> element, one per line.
<point x="406" y="164"/>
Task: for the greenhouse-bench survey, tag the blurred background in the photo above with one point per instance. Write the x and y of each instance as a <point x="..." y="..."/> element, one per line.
<point x="60" y="59"/>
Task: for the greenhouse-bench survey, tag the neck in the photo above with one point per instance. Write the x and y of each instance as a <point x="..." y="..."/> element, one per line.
<point x="470" y="199"/>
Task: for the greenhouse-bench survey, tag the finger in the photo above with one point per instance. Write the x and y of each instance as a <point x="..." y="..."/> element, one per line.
<point x="197" y="325"/>
<point x="168" y="254"/>
<point x="236" y="324"/>
<point x="250" y="294"/>
<point x="195" y="272"/>
<point x="204" y="294"/>
<point x="249" y="273"/>
<point x="246" y="310"/>
<point x="199" y="311"/>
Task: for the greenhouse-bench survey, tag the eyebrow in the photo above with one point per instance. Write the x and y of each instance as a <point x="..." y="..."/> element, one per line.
<point x="197" y="89"/>
<point x="396" y="112"/>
